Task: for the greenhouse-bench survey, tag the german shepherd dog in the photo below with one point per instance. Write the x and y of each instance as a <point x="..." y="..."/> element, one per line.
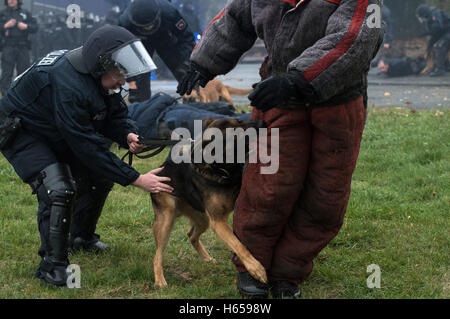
<point x="205" y="194"/>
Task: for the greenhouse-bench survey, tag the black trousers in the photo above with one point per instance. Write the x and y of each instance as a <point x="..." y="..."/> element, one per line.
<point x="13" y="57"/>
<point x="441" y="48"/>
<point x="29" y="156"/>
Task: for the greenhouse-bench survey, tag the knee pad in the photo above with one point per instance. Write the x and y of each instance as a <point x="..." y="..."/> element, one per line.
<point x="56" y="186"/>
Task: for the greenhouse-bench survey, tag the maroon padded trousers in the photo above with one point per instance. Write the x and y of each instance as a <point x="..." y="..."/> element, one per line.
<point x="286" y="219"/>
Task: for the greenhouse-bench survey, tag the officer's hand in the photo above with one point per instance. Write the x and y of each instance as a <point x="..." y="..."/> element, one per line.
<point x="11" y="23"/>
<point x="273" y="92"/>
<point x="133" y="144"/>
<point x="22" y="26"/>
<point x="152" y="183"/>
<point x="195" y="76"/>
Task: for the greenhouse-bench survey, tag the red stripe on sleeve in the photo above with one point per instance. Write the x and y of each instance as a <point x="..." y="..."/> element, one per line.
<point x="289" y="1"/>
<point x="343" y="46"/>
<point x="220" y="15"/>
<point x="334" y="1"/>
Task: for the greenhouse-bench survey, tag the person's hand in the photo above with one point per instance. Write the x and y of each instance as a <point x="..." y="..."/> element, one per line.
<point x="387" y="45"/>
<point x="133" y="144"/>
<point x="152" y="183"/>
<point x="383" y="67"/>
<point x="22" y="26"/>
<point x="195" y="76"/>
<point x="273" y="92"/>
<point x="11" y="23"/>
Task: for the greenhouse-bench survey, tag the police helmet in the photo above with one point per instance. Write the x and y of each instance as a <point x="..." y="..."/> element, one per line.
<point x="112" y="47"/>
<point x="145" y="15"/>
<point x="423" y="12"/>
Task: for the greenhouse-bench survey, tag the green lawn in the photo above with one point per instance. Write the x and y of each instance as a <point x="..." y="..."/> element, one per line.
<point x="398" y="218"/>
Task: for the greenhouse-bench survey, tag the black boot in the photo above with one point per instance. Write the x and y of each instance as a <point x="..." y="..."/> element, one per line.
<point x="250" y="288"/>
<point x="283" y="289"/>
<point x="88" y="245"/>
<point x="55" y="188"/>
<point x="53" y="273"/>
<point x="92" y="194"/>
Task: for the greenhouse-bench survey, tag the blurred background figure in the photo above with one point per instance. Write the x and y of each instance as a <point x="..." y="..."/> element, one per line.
<point x="387" y="19"/>
<point x="121" y="4"/>
<point x="112" y="16"/>
<point x="437" y="25"/>
<point x="394" y="67"/>
<point x="16" y="24"/>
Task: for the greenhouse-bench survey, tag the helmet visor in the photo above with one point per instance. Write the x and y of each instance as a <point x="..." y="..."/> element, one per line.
<point x="133" y="59"/>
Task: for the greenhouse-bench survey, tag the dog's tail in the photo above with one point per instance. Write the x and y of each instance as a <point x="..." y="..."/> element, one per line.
<point x="235" y="91"/>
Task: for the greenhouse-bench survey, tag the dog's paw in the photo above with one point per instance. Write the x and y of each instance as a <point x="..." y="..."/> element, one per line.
<point x="210" y="260"/>
<point x="160" y="283"/>
<point x="257" y="271"/>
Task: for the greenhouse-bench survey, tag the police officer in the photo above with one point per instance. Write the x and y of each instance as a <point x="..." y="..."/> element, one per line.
<point x="437" y="25"/>
<point x="15" y="25"/>
<point x="44" y="38"/>
<point x="67" y="103"/>
<point x="162" y="29"/>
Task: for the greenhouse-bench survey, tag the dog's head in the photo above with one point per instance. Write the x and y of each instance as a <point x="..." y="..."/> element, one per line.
<point x="238" y="139"/>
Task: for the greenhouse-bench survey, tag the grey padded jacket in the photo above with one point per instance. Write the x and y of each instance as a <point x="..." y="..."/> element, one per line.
<point x="331" y="42"/>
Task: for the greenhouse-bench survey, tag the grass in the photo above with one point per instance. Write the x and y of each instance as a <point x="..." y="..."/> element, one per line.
<point x="397" y="218"/>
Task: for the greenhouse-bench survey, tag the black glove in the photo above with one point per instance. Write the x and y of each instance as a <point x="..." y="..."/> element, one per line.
<point x="277" y="90"/>
<point x="196" y="75"/>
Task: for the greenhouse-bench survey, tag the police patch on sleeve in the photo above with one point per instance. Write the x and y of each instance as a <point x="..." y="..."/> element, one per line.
<point x="181" y="25"/>
<point x="51" y="58"/>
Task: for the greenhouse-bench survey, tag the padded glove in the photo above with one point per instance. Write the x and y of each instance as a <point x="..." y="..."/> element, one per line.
<point x="277" y="90"/>
<point x="195" y="76"/>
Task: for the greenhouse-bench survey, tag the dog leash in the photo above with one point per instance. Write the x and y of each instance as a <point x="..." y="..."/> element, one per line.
<point x="157" y="145"/>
